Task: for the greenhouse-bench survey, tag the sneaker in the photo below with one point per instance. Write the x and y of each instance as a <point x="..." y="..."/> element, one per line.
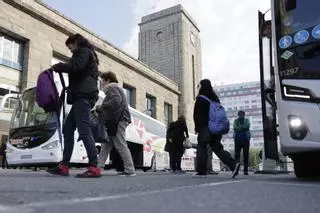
<point x="61" y="169"/>
<point x="128" y="174"/>
<point x="92" y="172"/>
<point x="235" y="172"/>
<point x="246" y="173"/>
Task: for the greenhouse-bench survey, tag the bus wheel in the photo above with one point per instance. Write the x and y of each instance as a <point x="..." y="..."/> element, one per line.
<point x="303" y="168"/>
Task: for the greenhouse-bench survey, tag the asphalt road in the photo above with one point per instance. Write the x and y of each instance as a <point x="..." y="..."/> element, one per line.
<point x="38" y="192"/>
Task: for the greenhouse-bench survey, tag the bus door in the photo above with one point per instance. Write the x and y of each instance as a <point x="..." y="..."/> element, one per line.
<point x="267" y="84"/>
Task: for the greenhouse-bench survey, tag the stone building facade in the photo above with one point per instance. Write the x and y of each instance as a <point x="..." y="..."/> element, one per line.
<point x="32" y="38"/>
<point x="169" y="42"/>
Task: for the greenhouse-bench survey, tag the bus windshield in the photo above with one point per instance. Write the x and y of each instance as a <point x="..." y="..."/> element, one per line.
<point x="300" y="16"/>
<point x="297" y="24"/>
<point x="28" y="113"/>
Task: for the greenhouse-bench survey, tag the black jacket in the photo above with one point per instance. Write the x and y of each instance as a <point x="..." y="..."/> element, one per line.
<point x="83" y="74"/>
<point x="179" y="133"/>
<point x="201" y="113"/>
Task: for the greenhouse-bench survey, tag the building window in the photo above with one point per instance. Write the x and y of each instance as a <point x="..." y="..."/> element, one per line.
<point x="151" y="106"/>
<point x="57" y="59"/>
<point x="130" y="92"/>
<point x="193" y="78"/>
<point x="11" y="52"/>
<point x="167" y="113"/>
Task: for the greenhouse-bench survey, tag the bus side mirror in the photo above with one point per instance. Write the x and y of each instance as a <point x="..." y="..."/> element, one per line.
<point x="5" y="100"/>
<point x="291" y="5"/>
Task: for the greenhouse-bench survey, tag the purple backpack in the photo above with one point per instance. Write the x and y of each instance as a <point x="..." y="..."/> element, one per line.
<point x="218" y="120"/>
<point x="47" y="95"/>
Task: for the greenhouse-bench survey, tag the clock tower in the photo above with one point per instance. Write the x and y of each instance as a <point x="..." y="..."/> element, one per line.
<point x="169" y="42"/>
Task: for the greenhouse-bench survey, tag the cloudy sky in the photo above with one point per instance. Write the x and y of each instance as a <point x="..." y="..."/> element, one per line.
<point x="228" y="30"/>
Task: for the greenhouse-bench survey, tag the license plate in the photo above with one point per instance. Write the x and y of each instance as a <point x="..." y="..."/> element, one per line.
<point x="26" y="156"/>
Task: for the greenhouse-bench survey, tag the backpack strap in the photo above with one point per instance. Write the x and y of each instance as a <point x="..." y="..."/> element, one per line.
<point x="61" y="106"/>
<point x="63" y="95"/>
<point x="210" y="101"/>
<point x="206" y="98"/>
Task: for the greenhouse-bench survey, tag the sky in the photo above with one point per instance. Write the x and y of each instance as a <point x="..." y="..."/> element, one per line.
<point x="228" y="30"/>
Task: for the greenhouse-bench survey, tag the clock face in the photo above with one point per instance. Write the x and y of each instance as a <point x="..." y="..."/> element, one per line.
<point x="192" y="38"/>
<point x="159" y="35"/>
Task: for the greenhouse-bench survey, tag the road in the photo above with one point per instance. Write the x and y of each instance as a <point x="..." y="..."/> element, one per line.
<point x="38" y="192"/>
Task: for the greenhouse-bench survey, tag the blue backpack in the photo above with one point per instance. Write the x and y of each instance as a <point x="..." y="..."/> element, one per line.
<point x="218" y="121"/>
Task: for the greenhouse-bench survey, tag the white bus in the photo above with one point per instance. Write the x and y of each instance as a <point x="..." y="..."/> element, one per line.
<point x="34" y="141"/>
<point x="290" y="83"/>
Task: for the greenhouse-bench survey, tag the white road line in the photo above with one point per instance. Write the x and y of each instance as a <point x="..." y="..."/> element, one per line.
<point x="288" y="184"/>
<point x="120" y="196"/>
<point x="8" y="209"/>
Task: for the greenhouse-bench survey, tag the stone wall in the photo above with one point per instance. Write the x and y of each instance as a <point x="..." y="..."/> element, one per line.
<point x="44" y="31"/>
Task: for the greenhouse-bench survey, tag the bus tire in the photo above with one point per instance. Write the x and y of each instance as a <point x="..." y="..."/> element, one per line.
<point x="303" y="169"/>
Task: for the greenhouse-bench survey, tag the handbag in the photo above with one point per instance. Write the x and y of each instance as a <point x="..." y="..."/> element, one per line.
<point x="112" y="125"/>
<point x="187" y="143"/>
<point x="98" y="128"/>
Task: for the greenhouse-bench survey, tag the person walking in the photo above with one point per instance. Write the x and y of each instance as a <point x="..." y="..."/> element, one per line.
<point x="115" y="113"/>
<point x="82" y="94"/>
<point x="169" y="145"/>
<point x="179" y="135"/>
<point x="201" y="121"/>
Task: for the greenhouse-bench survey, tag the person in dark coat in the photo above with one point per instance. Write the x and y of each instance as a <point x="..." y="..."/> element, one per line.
<point x="201" y="120"/>
<point x="82" y="94"/>
<point x="169" y="145"/>
<point x="180" y="133"/>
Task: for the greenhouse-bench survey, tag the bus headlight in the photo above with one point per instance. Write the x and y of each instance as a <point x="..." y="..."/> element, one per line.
<point x="295" y="122"/>
<point x="298" y="129"/>
<point x="51" y="145"/>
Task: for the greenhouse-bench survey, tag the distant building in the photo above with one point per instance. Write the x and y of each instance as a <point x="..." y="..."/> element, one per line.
<point x="247" y="97"/>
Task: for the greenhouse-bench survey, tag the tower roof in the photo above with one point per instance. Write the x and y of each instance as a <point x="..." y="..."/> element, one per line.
<point x="168" y="12"/>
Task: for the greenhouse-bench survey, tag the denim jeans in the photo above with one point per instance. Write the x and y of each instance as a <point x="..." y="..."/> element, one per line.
<point x="79" y="118"/>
